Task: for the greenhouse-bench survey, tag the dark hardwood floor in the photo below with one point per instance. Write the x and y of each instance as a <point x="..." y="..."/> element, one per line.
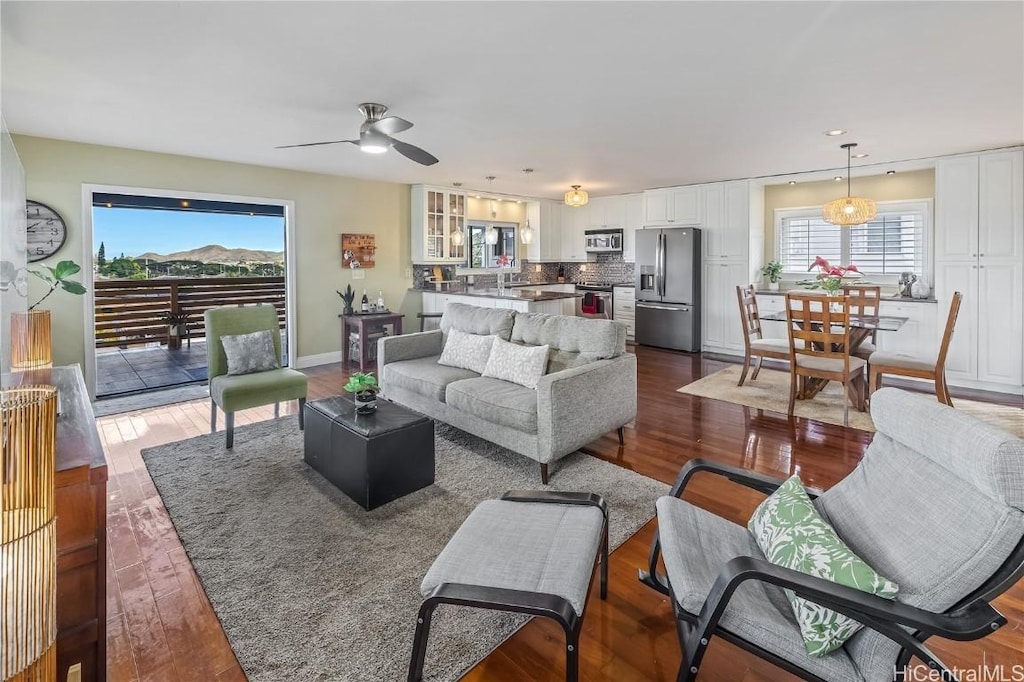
<point x="161" y="626"/>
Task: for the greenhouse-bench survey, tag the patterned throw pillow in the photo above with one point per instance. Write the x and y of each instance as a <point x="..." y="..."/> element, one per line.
<point x="248" y="353"/>
<point x="791" y="533"/>
<point x="468" y="351"/>
<point x="523" y="365"/>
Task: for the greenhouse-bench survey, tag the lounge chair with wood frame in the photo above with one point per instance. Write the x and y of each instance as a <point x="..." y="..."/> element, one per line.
<point x="936" y="505"/>
<point x="883" y="362"/>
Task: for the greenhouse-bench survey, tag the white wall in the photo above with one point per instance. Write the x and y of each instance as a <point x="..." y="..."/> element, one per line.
<point x="12" y="241"/>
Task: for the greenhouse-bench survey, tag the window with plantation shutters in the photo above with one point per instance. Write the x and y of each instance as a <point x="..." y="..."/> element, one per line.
<point x="894" y="242"/>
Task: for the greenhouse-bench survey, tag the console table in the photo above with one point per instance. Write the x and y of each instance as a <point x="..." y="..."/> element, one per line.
<point x="81" y="506"/>
<point x="364" y="324"/>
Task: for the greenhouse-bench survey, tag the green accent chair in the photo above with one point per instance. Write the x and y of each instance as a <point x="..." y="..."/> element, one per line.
<point x="239" y="392"/>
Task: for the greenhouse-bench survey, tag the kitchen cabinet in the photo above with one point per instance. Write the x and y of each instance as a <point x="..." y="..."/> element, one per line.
<point x="624" y="309"/>
<point x="546" y="221"/>
<point x="575" y="223"/>
<point x="726" y="226"/>
<point x="434" y="302"/>
<point x="979" y="238"/>
<point x="437" y="213"/>
<point x="674" y="206"/>
<point x="634" y="206"/>
<point x="606" y="212"/>
<point x="722" y="331"/>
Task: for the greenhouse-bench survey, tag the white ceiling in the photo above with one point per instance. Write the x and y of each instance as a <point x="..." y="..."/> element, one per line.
<point x="616" y="96"/>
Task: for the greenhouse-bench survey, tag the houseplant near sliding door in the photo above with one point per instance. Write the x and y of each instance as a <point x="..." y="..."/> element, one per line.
<point x="30" y="330"/>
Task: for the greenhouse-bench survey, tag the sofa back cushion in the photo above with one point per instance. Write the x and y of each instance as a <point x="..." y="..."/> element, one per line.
<point x="473" y="319"/>
<point x="935" y="505"/>
<point x="573" y="341"/>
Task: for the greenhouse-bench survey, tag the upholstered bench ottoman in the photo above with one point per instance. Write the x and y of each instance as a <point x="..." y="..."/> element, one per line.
<point x="529" y="552"/>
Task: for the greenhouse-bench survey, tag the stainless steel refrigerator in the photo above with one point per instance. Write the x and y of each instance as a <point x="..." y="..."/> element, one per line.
<point x="668" y="271"/>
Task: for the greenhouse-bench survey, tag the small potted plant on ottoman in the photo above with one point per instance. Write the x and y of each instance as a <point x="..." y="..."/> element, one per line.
<point x="364" y="386"/>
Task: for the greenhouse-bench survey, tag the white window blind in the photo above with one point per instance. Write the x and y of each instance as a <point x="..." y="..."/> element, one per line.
<point x="894" y="242"/>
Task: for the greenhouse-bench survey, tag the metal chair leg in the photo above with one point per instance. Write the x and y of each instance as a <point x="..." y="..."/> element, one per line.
<point x="572" y="656"/>
<point x="302" y="414"/>
<point x="544" y="474"/>
<point x="277" y="410"/>
<point x="419" y="643"/>
<point x="229" y="423"/>
<point x="213" y="417"/>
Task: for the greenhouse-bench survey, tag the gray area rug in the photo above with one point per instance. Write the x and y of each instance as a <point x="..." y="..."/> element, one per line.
<point x="309" y="586"/>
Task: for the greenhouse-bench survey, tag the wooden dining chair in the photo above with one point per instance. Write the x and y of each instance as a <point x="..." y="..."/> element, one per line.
<point x="754" y="343"/>
<point x="933" y="369"/>
<point x="819" y="349"/>
<point x="864" y="301"/>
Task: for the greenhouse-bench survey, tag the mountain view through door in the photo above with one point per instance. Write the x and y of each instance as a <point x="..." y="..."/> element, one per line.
<point x="158" y="264"/>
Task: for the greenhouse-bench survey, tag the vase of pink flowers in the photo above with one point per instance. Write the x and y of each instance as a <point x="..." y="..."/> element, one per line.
<point x="830" y="277"/>
<point x="503" y="262"/>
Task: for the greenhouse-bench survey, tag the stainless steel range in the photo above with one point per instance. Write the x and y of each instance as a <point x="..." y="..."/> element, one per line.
<point x="597" y="300"/>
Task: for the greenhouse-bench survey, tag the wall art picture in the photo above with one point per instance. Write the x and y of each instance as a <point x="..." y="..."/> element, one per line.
<point x="357" y="250"/>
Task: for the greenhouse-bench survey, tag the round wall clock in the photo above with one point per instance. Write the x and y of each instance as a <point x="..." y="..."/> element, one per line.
<point x="45" y="231"/>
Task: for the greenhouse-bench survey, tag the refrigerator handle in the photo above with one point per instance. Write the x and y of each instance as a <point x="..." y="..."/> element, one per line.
<point x="661" y="263"/>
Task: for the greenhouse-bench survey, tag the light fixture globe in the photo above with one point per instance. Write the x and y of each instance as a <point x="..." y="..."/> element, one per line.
<point x="457" y="238"/>
<point x="491" y="235"/>
<point x="849" y="210"/>
<point x="576" y="197"/>
<point x="526" y="234"/>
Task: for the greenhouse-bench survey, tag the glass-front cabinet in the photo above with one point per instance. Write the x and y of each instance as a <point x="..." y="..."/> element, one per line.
<point x="438" y="225"/>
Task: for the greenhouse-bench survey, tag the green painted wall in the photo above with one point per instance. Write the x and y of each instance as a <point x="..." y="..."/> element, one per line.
<point x="325" y="206"/>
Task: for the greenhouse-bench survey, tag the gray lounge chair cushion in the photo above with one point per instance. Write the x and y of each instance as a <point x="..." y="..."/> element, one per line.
<point x="935" y="505"/>
<point x="696" y="545"/>
<point x="424" y="376"/>
<point x="476" y="320"/>
<point x="573" y="341"/>
<point x="545" y="548"/>
<point x="496" y="401"/>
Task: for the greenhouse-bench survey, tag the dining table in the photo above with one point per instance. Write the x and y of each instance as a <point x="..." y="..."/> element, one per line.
<point x="862" y="327"/>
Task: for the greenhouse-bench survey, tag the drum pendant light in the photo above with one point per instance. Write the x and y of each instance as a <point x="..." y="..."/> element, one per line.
<point x="849" y="210"/>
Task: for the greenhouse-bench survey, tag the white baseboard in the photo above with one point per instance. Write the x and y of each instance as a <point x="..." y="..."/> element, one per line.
<point x="304" y="361"/>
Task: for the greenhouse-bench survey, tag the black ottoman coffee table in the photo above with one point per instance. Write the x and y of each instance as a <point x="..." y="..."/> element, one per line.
<point x="374" y="458"/>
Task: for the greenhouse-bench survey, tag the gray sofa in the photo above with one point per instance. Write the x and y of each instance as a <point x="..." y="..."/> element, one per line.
<point x="589" y="388"/>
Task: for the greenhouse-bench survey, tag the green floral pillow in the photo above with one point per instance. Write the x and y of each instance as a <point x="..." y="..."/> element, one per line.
<point x="792" y="534"/>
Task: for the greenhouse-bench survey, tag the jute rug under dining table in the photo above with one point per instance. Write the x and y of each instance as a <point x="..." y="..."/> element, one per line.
<point x="771" y="392"/>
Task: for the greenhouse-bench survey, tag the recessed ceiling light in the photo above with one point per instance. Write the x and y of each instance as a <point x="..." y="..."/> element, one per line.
<point x="835" y="131"/>
<point x="184" y="204"/>
<point x="838" y="178"/>
<point x="890" y="172"/>
<point x="792" y="182"/>
<point x="477" y="196"/>
<point x="859" y="156"/>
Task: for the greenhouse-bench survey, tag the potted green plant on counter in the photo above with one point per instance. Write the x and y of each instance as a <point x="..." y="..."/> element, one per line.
<point x="364" y="387"/>
<point x="773" y="271"/>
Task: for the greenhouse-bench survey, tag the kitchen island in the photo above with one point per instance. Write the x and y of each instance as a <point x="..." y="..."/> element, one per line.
<point x="520" y="298"/>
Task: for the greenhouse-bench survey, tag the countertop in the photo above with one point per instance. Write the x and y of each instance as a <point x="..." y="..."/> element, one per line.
<point x="517" y="293"/>
<point x="892" y="297"/>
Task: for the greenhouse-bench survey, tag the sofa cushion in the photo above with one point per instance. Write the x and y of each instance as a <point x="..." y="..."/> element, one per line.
<point x="473" y="319"/>
<point x="523" y="365"/>
<point x="424" y="376"/>
<point x="468" y="351"/>
<point x="496" y="401"/>
<point x="573" y="341"/>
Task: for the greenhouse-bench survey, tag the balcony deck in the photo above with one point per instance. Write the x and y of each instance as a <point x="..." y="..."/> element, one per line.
<point x="141" y="369"/>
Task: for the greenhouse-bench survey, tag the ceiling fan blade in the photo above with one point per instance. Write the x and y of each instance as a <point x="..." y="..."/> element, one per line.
<point x="411" y="151"/>
<point x="316" y="144"/>
<point x="390" y="125"/>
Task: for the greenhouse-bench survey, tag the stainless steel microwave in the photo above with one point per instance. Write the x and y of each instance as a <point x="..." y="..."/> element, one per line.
<point x="604" y="241"/>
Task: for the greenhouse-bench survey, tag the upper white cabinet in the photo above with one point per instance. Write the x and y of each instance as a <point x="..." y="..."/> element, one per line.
<point x="979" y="251"/>
<point x="726" y="227"/>
<point x="437" y="213"/>
<point x="674" y="206"/>
<point x="575" y="223"/>
<point x="634" y="221"/>
<point x="607" y="212"/>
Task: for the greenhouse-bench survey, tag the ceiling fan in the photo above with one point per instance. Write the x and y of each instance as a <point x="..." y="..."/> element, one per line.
<point x="375" y="135"/>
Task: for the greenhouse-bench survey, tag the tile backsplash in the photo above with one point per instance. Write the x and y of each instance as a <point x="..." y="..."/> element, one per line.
<point x="609" y="267"/>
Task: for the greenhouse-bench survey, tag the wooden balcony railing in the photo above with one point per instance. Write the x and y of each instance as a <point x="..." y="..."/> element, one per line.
<point x="130" y="312"/>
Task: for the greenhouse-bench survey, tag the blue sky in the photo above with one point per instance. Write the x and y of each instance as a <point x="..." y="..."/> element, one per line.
<point x="134" y="231"/>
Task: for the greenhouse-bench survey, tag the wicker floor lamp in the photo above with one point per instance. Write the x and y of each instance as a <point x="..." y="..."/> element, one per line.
<point x="28" y="544"/>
